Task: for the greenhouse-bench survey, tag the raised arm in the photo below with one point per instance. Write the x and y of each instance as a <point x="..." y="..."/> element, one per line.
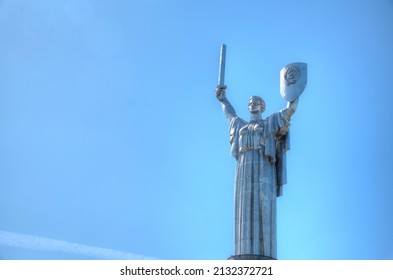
<point x="291" y="107"/>
<point x="227" y="108"/>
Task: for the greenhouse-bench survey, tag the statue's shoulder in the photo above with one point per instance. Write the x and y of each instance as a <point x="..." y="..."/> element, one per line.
<point x="282" y="114"/>
<point x="238" y="122"/>
<point x="271" y="119"/>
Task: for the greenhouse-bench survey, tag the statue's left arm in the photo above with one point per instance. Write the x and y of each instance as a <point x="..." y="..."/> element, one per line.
<point x="291" y="107"/>
<point x="282" y="119"/>
<point x="282" y="143"/>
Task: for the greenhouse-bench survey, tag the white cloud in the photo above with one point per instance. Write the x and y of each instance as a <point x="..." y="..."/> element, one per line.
<point x="40" y="243"/>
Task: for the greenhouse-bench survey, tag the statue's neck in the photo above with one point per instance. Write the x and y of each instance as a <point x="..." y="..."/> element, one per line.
<point x="255" y="116"/>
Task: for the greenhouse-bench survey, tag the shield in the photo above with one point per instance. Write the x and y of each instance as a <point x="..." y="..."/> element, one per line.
<point x="293" y="80"/>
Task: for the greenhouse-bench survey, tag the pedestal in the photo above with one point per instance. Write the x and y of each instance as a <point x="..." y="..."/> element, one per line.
<point x="250" y="257"/>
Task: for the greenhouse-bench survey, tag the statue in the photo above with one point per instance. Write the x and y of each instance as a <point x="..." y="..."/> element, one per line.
<point x="259" y="147"/>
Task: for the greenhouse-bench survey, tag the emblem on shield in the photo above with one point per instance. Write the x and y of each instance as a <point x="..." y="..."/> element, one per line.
<point x="293" y="80"/>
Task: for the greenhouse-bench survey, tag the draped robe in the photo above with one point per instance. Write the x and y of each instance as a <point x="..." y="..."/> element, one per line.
<point x="259" y="148"/>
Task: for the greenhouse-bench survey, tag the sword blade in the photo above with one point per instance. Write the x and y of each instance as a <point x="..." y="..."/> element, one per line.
<point x="221" y="72"/>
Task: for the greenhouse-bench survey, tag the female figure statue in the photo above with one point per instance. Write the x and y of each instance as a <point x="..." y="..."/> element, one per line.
<point x="259" y="147"/>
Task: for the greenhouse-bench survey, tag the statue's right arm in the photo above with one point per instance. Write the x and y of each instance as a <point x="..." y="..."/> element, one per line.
<point x="227" y="108"/>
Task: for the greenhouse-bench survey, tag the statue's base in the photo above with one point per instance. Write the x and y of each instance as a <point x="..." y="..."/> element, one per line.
<point x="250" y="257"/>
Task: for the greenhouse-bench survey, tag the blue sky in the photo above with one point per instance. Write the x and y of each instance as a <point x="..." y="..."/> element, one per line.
<point x="111" y="136"/>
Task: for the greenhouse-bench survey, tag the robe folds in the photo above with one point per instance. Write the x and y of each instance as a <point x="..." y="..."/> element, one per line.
<point x="259" y="148"/>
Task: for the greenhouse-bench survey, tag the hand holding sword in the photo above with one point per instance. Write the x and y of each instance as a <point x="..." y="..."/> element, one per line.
<point x="229" y="111"/>
<point x="221" y="87"/>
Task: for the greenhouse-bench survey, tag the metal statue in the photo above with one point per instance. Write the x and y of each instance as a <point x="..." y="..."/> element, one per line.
<point x="259" y="147"/>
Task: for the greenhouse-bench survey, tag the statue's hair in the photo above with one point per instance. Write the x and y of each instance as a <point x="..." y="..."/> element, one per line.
<point x="260" y="100"/>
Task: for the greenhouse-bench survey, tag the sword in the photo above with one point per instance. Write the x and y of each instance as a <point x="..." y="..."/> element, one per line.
<point x="221" y="71"/>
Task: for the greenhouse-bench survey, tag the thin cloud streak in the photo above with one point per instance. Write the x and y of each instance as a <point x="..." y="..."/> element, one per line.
<point x="18" y="240"/>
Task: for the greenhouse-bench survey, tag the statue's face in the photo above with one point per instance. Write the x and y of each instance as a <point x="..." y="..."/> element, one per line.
<point x="255" y="105"/>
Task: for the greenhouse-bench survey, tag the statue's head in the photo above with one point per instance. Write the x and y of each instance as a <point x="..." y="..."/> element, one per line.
<point x="256" y="104"/>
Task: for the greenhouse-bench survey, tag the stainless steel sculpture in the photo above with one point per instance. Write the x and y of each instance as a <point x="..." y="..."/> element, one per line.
<point x="259" y="147"/>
